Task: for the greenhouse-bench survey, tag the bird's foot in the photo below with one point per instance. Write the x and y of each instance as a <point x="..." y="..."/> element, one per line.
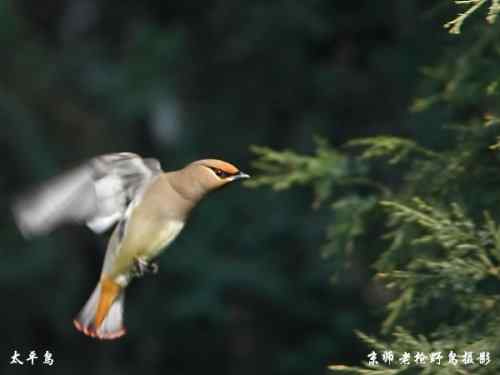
<point x="153" y="268"/>
<point x="143" y="267"/>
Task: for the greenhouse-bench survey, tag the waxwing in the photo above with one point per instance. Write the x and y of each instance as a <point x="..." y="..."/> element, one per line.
<point x="146" y="207"/>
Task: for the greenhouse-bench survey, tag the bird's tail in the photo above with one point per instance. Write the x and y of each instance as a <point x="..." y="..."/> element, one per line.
<point x="102" y="315"/>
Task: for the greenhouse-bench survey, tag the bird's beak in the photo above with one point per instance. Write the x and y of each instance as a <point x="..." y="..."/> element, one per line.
<point x="240" y="175"/>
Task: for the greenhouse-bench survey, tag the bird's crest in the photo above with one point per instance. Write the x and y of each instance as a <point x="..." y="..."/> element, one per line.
<point x="219" y="164"/>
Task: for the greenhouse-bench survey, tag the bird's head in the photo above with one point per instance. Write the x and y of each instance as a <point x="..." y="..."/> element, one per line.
<point x="202" y="176"/>
<point x="213" y="173"/>
<point x="216" y="173"/>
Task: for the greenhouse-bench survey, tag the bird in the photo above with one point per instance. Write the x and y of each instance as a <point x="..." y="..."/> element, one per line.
<point x="145" y="207"/>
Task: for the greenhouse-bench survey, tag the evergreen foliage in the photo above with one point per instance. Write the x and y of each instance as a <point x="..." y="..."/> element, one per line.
<point x="438" y="255"/>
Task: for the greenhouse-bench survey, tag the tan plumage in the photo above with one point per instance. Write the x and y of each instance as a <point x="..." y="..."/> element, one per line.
<point x="147" y="206"/>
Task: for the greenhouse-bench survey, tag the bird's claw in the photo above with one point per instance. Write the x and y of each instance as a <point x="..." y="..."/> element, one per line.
<point x="143" y="267"/>
<point x="153" y="268"/>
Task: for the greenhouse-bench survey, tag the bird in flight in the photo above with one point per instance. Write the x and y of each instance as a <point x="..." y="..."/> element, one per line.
<point x="146" y="206"/>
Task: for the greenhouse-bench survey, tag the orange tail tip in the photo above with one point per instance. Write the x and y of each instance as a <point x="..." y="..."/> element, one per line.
<point x="102" y="315"/>
<point x="109" y="292"/>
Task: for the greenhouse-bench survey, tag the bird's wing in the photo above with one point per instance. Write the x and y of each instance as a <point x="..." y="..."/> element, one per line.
<point x="96" y="193"/>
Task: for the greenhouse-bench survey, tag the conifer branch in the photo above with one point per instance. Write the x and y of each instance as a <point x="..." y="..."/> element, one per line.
<point x="455" y="25"/>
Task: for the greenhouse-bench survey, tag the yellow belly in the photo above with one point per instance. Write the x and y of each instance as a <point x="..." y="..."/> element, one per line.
<point x="163" y="238"/>
<point x="145" y="242"/>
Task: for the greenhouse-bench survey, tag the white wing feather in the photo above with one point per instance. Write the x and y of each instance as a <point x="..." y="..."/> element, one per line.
<point x="96" y="193"/>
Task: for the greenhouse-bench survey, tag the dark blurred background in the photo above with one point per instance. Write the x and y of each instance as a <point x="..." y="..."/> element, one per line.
<point x="244" y="290"/>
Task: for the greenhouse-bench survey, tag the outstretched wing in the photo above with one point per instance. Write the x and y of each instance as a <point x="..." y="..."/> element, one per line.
<point x="96" y="193"/>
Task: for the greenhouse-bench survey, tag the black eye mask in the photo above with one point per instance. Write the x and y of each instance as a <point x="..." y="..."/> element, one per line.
<point x="220" y="173"/>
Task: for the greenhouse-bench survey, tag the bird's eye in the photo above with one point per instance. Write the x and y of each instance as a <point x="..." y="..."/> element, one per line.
<point x="220" y="173"/>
